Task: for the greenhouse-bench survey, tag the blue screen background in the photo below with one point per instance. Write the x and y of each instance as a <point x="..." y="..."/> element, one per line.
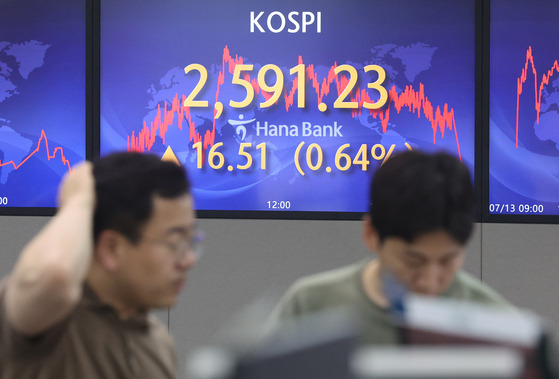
<point x="424" y="46"/>
<point x="42" y="98"/>
<point x="524" y="176"/>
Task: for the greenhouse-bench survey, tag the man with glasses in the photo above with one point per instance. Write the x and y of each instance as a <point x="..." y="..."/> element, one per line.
<point x="76" y="303"/>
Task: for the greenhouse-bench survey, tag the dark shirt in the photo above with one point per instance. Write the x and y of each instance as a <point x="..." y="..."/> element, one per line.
<point x="91" y="342"/>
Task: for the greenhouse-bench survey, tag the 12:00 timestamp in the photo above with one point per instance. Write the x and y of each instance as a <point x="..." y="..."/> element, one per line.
<point x="516" y="208"/>
<point x="281" y="205"/>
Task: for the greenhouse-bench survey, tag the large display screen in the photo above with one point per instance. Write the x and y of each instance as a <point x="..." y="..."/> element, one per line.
<point x="42" y="100"/>
<point x="287" y="106"/>
<point x="524" y="106"/>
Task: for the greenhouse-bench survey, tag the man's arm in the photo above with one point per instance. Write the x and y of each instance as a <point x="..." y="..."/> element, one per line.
<point x="46" y="282"/>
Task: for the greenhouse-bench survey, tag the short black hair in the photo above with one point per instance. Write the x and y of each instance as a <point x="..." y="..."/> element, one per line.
<point x="125" y="184"/>
<point x="415" y="192"/>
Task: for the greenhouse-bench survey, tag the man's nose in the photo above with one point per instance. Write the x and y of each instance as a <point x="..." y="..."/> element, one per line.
<point x="187" y="260"/>
<point x="429" y="280"/>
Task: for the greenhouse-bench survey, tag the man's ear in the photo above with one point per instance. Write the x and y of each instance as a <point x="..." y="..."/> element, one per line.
<point x="370" y="234"/>
<point x="108" y="249"/>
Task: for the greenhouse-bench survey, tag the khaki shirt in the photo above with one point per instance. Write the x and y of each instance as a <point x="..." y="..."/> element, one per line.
<point x="91" y="342"/>
<point x="343" y="288"/>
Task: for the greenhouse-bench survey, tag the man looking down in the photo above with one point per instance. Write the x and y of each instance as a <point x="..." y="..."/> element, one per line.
<point x="420" y="219"/>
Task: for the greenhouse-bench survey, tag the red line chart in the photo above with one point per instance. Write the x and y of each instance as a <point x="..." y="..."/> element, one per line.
<point x="415" y="101"/>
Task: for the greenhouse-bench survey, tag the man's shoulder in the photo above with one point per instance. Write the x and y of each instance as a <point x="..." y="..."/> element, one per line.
<point x="468" y="287"/>
<point x="329" y="280"/>
<point x="332" y="288"/>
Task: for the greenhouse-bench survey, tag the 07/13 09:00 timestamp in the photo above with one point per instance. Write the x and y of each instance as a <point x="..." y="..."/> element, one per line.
<point x="516" y="208"/>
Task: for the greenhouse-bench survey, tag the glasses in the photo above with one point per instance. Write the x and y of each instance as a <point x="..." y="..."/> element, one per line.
<point x="178" y="249"/>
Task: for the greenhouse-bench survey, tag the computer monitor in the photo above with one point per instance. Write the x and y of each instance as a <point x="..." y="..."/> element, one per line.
<point x="284" y="109"/>
<point x="449" y="323"/>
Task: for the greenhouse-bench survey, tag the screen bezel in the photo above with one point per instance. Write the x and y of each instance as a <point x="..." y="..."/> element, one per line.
<point x="312" y="215"/>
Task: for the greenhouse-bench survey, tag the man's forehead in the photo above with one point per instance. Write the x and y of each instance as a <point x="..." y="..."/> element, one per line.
<point x="164" y="204"/>
<point x="438" y="243"/>
<point x="171" y="214"/>
<point x="433" y="254"/>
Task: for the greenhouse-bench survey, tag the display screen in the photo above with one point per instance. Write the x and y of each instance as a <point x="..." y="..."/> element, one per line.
<point x="287" y="106"/>
<point x="42" y="99"/>
<point x="524" y="106"/>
